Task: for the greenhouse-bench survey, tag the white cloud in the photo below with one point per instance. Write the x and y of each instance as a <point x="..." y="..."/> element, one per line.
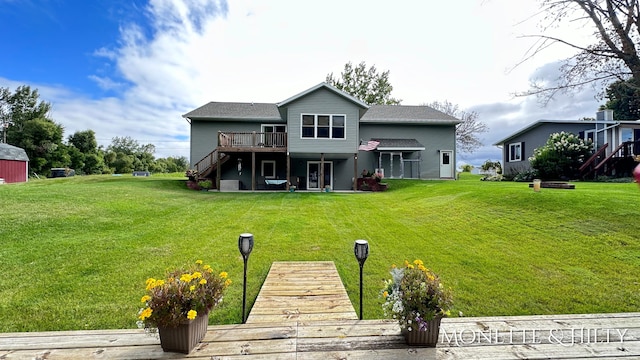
<point x="194" y="51"/>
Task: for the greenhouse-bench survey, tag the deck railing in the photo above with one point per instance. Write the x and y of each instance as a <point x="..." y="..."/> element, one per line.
<point x="252" y="139"/>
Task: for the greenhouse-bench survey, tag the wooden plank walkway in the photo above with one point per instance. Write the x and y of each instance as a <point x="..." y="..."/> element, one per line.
<point x="295" y="331"/>
<point x="302" y="291"/>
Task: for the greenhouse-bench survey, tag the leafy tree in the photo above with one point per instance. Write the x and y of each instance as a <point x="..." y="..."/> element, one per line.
<point x="365" y="84"/>
<point x="489" y="166"/>
<point x="467" y="131"/>
<point x="42" y="141"/>
<point x="623" y="97"/>
<point x="467" y="168"/>
<point x="613" y="55"/>
<point x="561" y="156"/>
<point x="85" y="141"/>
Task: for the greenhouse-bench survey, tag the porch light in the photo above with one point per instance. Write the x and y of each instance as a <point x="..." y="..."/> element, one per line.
<point x="361" y="250"/>
<point x="245" y="245"/>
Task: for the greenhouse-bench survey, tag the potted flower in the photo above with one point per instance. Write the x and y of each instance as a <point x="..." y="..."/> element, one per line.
<point x="205" y="184"/>
<point x="178" y="305"/>
<point x="416" y="298"/>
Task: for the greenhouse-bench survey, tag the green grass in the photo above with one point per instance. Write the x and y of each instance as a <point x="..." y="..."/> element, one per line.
<point x="75" y="252"/>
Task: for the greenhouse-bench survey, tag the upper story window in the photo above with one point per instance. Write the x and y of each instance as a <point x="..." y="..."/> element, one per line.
<point x="515" y="152"/>
<point x="323" y="126"/>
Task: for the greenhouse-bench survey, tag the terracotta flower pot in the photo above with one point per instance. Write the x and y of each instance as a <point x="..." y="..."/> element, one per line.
<point x="184" y="337"/>
<point x="428" y="338"/>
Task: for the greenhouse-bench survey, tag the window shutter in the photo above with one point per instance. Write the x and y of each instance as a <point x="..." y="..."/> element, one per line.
<point x="581" y="135"/>
<point x="523" y="157"/>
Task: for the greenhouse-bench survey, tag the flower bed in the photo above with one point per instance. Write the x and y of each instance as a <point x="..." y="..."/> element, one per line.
<point x="370" y="184"/>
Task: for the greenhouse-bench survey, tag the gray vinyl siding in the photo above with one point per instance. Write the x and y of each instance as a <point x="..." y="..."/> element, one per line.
<point x="204" y="134"/>
<point x="536" y="138"/>
<point x="433" y="137"/>
<point x="323" y="102"/>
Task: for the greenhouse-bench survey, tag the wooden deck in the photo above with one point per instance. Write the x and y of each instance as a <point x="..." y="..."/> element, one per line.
<point x="311" y="318"/>
<point x="302" y="291"/>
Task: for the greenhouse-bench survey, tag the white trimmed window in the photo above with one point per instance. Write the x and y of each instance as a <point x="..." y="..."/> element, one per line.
<point x="515" y="152"/>
<point x="315" y="126"/>
<point x="269" y="169"/>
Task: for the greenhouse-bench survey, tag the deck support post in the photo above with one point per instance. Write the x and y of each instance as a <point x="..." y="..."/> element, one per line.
<point x="355" y="172"/>
<point x="288" y="171"/>
<point x="253" y="171"/>
<point x="321" y="171"/>
<point x="218" y="169"/>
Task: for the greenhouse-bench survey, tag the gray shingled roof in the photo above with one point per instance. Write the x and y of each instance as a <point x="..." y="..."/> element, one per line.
<point x="10" y="152"/>
<point x="398" y="144"/>
<point x="234" y="110"/>
<point x="407" y="114"/>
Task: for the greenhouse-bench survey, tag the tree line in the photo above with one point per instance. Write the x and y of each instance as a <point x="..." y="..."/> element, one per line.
<point x="25" y="122"/>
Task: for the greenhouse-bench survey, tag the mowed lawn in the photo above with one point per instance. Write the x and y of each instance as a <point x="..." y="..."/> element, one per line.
<point x="75" y="252"/>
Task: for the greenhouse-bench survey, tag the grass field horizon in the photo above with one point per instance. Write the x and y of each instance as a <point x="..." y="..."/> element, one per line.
<point x="76" y="251"/>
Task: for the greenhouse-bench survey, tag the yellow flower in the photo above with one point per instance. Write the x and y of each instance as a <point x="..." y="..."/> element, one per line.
<point x="192" y="314"/>
<point x="185" y="277"/>
<point x="406" y="263"/>
<point x="206" y="267"/>
<point x="418" y="262"/>
<point x="421" y="267"/>
<point x="158" y="283"/>
<point x="192" y="288"/>
<point x="150" y="283"/>
<point x="393" y="266"/>
<point x="196" y="275"/>
<point x="409" y="266"/>
<point x="385" y="294"/>
<point x="145" y="298"/>
<point x="227" y="282"/>
<point x="224" y="274"/>
<point x="145" y="314"/>
<point x="203" y="281"/>
<point x="198" y="262"/>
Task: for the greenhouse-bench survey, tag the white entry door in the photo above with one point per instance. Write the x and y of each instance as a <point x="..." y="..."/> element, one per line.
<point x="446" y="164"/>
<point x="313" y="174"/>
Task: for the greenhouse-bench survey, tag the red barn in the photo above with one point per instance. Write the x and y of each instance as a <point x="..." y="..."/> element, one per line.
<point x="14" y="164"/>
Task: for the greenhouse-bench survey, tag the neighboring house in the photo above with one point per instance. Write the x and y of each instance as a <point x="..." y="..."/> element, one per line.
<point x="14" y="164"/>
<point x="320" y="138"/>
<point x="616" y="143"/>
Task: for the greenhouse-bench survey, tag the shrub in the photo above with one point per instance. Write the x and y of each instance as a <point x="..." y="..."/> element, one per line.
<point x="561" y="157"/>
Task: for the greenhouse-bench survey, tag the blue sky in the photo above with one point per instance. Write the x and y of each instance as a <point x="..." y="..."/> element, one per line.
<point x="53" y="42"/>
<point x="132" y="68"/>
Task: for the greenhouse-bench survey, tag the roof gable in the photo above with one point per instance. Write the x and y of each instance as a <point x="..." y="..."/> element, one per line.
<point x="324" y="85"/>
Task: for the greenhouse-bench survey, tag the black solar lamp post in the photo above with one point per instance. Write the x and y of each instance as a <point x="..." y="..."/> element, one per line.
<point x="245" y="245"/>
<point x="361" y="250"/>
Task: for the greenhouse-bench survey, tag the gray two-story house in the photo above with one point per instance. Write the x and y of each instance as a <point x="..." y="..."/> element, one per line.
<point x="321" y="138"/>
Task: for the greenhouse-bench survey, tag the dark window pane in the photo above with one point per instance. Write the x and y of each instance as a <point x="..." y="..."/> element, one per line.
<point x="323" y="132"/>
<point x="307" y="132"/>
<point x="338" y="120"/>
<point x="323" y="120"/>
<point x="307" y="120"/>
<point x="445" y="159"/>
<point x="338" y="133"/>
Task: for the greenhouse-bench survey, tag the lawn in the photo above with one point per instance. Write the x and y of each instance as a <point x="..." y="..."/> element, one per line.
<point x="76" y="251"/>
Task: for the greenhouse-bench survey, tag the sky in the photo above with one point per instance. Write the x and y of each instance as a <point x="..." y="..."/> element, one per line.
<point x="133" y="68"/>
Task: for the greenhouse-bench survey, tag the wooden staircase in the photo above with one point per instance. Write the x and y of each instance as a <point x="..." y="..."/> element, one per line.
<point x="208" y="164"/>
<point x="619" y="162"/>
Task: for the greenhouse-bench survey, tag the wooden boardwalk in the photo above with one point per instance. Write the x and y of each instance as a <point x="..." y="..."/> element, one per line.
<point x="316" y="321"/>
<point x="302" y="291"/>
